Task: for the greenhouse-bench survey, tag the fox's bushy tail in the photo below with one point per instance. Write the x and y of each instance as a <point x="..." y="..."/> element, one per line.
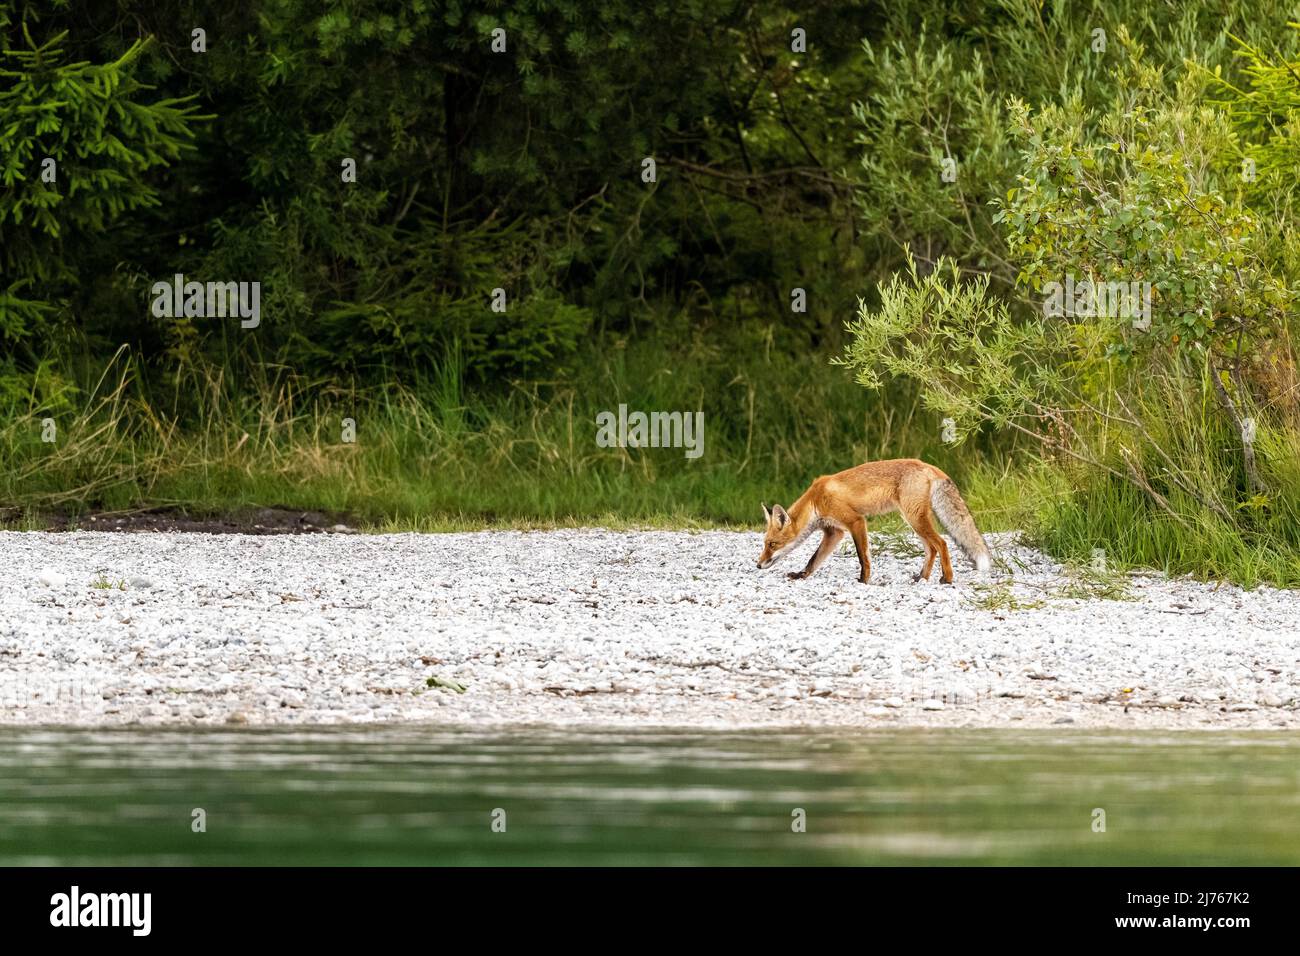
<point x="949" y="505"/>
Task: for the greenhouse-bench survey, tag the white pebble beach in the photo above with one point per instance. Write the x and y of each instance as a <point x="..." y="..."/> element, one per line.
<point x="629" y="628"/>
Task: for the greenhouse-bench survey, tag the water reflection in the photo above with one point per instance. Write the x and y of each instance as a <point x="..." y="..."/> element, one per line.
<point x="420" y="795"/>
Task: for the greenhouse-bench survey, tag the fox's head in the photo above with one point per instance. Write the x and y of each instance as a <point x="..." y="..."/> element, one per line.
<point x="778" y="537"/>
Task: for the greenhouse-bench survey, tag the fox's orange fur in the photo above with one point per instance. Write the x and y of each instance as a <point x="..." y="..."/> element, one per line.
<point x="840" y="504"/>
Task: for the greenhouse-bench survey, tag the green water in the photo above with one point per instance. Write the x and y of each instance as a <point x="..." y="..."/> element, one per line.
<point x="419" y="796"/>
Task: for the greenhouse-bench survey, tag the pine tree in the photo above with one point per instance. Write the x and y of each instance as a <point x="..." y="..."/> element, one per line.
<point x="76" y="142"/>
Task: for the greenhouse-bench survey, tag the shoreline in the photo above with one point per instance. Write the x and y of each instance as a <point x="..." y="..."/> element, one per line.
<point x="651" y="713"/>
<point x="600" y="628"/>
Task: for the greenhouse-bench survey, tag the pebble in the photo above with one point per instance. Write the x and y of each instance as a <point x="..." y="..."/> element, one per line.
<point x="52" y="579"/>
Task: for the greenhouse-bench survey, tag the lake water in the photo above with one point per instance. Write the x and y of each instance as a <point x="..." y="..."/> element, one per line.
<point x="415" y="795"/>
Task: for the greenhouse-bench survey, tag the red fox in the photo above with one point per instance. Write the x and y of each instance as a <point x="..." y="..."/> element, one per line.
<point x="834" y="504"/>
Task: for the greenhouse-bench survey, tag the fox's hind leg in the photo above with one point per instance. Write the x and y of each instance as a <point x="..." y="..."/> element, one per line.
<point x="924" y="573"/>
<point x="923" y="525"/>
<point x="830" y="539"/>
<point x="945" y="562"/>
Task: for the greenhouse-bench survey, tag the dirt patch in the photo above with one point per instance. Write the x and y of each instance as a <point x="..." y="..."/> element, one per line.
<point x="272" y="520"/>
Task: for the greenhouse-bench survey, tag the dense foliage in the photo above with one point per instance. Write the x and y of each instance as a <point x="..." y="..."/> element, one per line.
<point x="450" y="206"/>
<point x="1171" y="374"/>
<point x="474" y="170"/>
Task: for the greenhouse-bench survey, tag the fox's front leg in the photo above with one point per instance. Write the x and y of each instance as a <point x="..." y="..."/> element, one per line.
<point x="830" y="539"/>
<point x="859" y="531"/>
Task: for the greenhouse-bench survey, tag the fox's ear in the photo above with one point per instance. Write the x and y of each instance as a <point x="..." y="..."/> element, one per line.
<point x="767" y="515"/>
<point x="779" y="514"/>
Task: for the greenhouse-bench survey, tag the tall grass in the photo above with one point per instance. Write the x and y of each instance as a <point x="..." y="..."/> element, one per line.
<point x="1249" y="545"/>
<point x="432" y="452"/>
<point x="1156" y="478"/>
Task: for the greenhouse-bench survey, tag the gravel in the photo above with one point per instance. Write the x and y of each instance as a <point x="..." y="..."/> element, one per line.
<point x="592" y="626"/>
